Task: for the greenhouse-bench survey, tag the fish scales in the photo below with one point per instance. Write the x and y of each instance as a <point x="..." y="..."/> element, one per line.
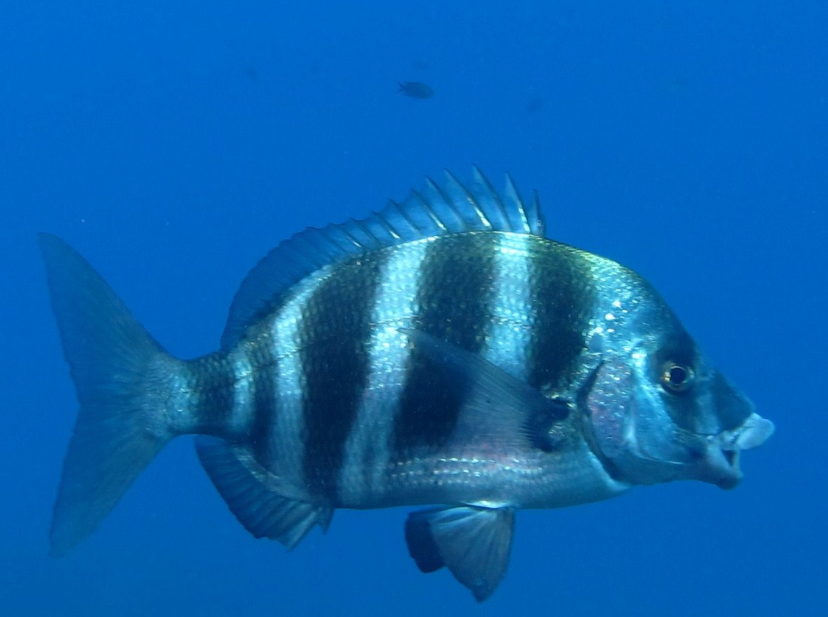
<point x="257" y="372"/>
<point x="369" y="443"/>
<point x="334" y="337"/>
<point x="441" y="352"/>
<point x="562" y="304"/>
<point x="454" y="300"/>
<point x="453" y="303"/>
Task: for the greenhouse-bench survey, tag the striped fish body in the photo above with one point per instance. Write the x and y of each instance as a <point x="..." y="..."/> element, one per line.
<point x="440" y="352"/>
<point x="330" y="394"/>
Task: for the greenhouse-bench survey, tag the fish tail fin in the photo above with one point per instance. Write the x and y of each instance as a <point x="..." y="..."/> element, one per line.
<point x="122" y="379"/>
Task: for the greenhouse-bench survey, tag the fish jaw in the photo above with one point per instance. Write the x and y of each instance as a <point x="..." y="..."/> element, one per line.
<point x="720" y="463"/>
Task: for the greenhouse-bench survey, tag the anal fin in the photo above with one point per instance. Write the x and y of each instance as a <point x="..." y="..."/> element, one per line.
<point x="472" y="542"/>
<point x="254" y="497"/>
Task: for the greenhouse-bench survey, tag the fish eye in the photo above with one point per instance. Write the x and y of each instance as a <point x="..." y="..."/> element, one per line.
<point x="677" y="377"/>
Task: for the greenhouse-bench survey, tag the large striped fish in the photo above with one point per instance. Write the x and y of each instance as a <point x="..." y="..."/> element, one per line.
<point x="441" y="352"/>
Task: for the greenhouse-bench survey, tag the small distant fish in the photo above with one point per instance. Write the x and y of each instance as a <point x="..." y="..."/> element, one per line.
<point x="415" y="89"/>
<point x="440" y="352"/>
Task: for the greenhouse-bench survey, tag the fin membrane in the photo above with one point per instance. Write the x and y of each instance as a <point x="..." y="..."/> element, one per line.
<point x="434" y="211"/>
<point x="121" y="389"/>
<point x="473" y="543"/>
<point x="500" y="409"/>
<point x="253" y="494"/>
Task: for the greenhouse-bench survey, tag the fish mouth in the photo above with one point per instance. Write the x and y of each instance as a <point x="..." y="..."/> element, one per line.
<point x="720" y="465"/>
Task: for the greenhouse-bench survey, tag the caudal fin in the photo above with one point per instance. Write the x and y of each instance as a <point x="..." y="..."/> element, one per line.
<point x="121" y="375"/>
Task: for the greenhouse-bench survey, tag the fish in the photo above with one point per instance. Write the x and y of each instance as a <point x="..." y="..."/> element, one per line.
<point x="415" y="89"/>
<point x="442" y="354"/>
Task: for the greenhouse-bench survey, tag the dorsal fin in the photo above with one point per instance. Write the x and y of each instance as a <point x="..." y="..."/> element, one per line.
<point x="434" y="211"/>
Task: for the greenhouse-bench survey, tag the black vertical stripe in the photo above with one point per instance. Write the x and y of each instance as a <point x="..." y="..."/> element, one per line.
<point x="453" y="303"/>
<point x="334" y="335"/>
<point x="265" y="368"/>
<point x="211" y="380"/>
<point x="562" y="299"/>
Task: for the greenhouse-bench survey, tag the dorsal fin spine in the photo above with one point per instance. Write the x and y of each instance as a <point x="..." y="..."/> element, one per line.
<point x="430" y="212"/>
<point x="446" y="203"/>
<point x="330" y="240"/>
<point x="366" y="230"/>
<point x="408" y="219"/>
<point x="536" y="213"/>
<point x="469" y="198"/>
<point x="490" y="194"/>
<point x="512" y="193"/>
<point x="357" y="244"/>
<point x="438" y="210"/>
<point x="388" y="226"/>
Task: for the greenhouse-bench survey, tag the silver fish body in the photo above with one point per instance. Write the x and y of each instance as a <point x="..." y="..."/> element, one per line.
<point x="442" y="351"/>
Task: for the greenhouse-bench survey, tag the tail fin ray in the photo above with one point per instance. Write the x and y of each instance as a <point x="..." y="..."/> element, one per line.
<point x="119" y="373"/>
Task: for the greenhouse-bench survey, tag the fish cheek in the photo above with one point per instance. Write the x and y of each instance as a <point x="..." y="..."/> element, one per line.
<point x="632" y="431"/>
<point x="683" y="409"/>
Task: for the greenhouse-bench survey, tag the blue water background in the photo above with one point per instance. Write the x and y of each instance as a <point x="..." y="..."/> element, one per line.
<point x="174" y="143"/>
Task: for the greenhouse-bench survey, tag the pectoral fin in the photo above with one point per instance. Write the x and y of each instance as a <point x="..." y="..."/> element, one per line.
<point x="499" y="408"/>
<point x="473" y="543"/>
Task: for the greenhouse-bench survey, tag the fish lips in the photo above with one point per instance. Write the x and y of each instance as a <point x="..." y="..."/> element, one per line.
<point x="720" y="462"/>
<point x="712" y="458"/>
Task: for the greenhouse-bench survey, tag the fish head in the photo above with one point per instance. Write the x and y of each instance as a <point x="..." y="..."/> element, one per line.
<point x="658" y="411"/>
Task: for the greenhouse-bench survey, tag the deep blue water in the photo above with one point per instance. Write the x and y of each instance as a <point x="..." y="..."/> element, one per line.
<point x="174" y="143"/>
